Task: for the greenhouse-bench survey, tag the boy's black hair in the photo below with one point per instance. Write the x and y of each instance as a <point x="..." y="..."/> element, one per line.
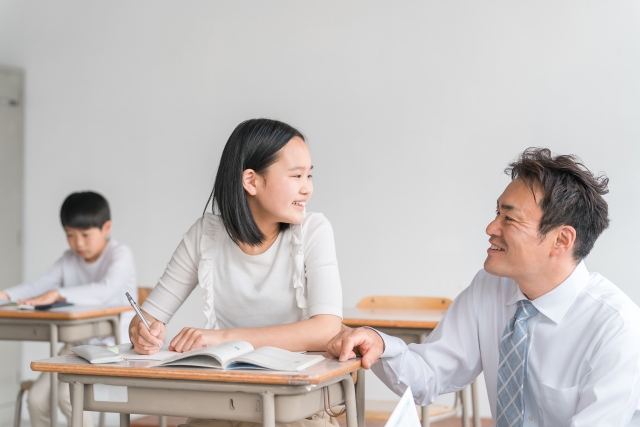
<point x="84" y="210"/>
<point x="254" y="144"/>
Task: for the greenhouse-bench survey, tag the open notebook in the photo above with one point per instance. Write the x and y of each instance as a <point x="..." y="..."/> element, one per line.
<point x="230" y="355"/>
<point x="242" y="355"/>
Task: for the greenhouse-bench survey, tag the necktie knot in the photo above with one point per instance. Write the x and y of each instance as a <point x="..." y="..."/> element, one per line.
<point x="525" y="310"/>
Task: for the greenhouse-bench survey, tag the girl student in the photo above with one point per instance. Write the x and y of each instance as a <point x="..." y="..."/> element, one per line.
<point x="268" y="268"/>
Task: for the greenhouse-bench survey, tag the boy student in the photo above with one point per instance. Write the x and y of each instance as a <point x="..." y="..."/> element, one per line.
<point x="96" y="270"/>
<point x="559" y="345"/>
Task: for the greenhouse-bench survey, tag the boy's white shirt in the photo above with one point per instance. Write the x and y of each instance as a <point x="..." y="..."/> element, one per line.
<point x="243" y="290"/>
<point x="100" y="283"/>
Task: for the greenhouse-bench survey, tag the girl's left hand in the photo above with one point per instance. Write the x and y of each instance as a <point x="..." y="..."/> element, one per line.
<point x="190" y="338"/>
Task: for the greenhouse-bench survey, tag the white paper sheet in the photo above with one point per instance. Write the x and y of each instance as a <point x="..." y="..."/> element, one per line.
<point x="405" y="413"/>
<point x="110" y="393"/>
<point x="162" y="354"/>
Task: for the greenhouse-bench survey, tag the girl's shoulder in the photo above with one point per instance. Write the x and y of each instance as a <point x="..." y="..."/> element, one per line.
<point x="211" y="224"/>
<point x="314" y="223"/>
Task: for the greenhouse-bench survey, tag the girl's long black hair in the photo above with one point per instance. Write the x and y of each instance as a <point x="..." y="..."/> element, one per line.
<point x="254" y="144"/>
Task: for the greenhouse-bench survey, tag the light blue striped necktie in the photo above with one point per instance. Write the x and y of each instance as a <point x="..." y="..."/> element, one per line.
<point x="513" y="365"/>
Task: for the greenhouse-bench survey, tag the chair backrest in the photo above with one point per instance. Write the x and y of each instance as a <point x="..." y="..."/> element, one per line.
<point x="415" y="303"/>
<point x="143" y="293"/>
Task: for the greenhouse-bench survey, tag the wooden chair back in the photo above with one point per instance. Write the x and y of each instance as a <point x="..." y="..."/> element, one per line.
<point x="143" y="293"/>
<point x="399" y="302"/>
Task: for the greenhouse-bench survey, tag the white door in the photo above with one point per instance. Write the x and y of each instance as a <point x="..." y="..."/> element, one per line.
<point x="11" y="123"/>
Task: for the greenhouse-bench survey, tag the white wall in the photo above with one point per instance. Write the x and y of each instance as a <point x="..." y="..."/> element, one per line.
<point x="412" y="110"/>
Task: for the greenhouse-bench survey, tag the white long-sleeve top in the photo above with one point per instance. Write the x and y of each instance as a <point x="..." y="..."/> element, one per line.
<point x="583" y="351"/>
<point x="100" y="283"/>
<point x="296" y="278"/>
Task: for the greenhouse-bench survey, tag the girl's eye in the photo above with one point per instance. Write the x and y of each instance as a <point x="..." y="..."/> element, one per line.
<point x="310" y="176"/>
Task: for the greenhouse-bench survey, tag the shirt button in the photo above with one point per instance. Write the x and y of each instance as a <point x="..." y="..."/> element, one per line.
<point x="530" y="417"/>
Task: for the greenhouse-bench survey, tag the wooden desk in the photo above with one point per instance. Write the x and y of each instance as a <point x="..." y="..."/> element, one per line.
<point x="257" y="396"/>
<point x="64" y="324"/>
<point x="413" y="326"/>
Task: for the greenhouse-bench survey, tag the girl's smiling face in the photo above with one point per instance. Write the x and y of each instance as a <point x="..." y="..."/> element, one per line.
<point x="280" y="195"/>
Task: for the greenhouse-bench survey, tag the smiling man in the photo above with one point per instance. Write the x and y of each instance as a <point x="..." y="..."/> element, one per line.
<point x="559" y="346"/>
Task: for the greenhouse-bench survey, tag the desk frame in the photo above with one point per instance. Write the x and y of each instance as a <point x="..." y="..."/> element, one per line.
<point x="57" y="327"/>
<point x="266" y="403"/>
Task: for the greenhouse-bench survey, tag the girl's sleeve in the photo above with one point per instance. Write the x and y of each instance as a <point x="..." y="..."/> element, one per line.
<point x="50" y="280"/>
<point x="179" y="278"/>
<point x="324" y="290"/>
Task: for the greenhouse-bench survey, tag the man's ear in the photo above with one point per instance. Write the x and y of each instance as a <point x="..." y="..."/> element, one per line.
<point x="106" y="228"/>
<point x="564" y="240"/>
<point x="249" y="181"/>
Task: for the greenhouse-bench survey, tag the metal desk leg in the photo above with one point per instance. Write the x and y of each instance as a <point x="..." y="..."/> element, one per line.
<point x="115" y="324"/>
<point x="425" y="416"/>
<point x="268" y="409"/>
<point x="350" y="402"/>
<point x="360" y="408"/>
<point x="125" y="420"/>
<point x="53" y="398"/>
<point x="474" y="404"/>
<point x="77" y="403"/>
<point x="464" y="396"/>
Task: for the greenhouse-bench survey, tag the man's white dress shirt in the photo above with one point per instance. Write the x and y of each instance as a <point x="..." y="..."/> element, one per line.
<point x="583" y="365"/>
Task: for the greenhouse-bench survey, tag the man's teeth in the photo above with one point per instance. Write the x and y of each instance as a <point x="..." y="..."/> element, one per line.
<point x="300" y="203"/>
<point x="497" y="248"/>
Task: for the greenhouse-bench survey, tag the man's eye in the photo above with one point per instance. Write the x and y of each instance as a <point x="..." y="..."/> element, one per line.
<point x="508" y="218"/>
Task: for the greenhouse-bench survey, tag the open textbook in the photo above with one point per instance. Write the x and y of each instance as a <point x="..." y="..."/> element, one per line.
<point x="10" y="305"/>
<point x="242" y="355"/>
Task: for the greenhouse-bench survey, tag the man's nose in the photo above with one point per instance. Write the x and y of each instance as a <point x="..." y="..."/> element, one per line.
<point x="493" y="229"/>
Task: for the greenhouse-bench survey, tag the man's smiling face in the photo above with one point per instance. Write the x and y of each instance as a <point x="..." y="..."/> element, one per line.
<point x="516" y="250"/>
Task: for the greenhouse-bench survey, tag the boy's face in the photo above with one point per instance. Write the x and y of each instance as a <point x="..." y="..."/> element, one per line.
<point x="89" y="243"/>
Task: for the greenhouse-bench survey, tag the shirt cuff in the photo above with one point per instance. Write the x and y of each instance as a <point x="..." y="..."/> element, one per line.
<point x="392" y="345"/>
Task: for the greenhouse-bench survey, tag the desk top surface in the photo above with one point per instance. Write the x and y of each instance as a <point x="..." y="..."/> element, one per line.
<point x="72" y="312"/>
<point x="316" y="374"/>
<point x="392" y="318"/>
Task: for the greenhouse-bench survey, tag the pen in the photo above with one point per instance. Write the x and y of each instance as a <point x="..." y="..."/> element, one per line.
<point x="139" y="313"/>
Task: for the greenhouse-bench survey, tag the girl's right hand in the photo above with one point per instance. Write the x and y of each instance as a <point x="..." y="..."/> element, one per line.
<point x="143" y="340"/>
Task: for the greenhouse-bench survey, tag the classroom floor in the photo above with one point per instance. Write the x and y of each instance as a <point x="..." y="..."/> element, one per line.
<point x="150" y="421"/>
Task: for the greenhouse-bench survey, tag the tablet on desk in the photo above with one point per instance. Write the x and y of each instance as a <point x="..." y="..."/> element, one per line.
<point x="52" y="305"/>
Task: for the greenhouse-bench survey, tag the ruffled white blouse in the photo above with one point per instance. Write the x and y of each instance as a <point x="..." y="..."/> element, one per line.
<point x="296" y="278"/>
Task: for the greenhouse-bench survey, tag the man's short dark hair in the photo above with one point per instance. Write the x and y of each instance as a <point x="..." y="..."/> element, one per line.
<point x="572" y="195"/>
<point x="84" y="210"/>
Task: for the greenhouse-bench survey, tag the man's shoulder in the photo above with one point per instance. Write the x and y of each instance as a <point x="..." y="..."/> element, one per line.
<point x="611" y="299"/>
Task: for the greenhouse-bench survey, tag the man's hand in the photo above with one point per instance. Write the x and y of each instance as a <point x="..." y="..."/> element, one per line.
<point x="190" y="338"/>
<point x="364" y="341"/>
<point x="143" y="340"/>
<point x="48" y="297"/>
<point x="4" y="296"/>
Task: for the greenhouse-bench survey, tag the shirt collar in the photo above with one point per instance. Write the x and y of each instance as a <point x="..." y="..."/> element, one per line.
<point x="555" y="303"/>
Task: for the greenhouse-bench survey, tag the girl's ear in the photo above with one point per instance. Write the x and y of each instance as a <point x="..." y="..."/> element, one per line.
<point x="249" y="181"/>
